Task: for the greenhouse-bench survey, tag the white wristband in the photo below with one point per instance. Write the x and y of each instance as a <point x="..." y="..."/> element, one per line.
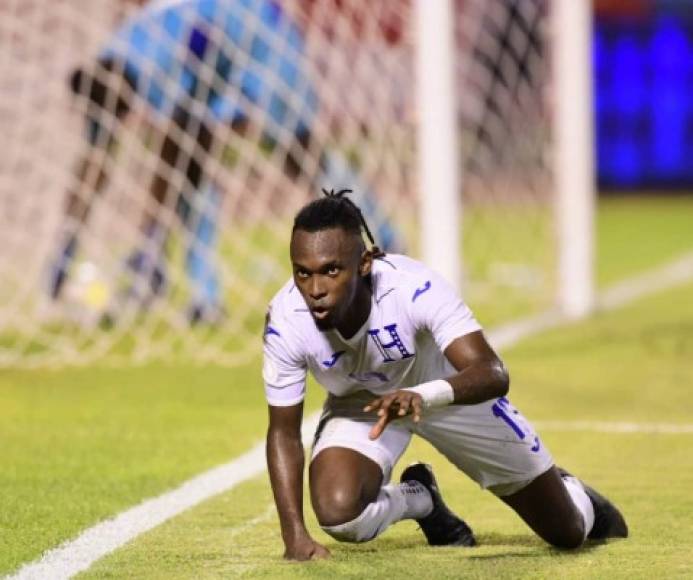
<point x="434" y="393"/>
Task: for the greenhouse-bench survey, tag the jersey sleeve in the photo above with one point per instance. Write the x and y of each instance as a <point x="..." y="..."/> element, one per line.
<point x="438" y="308"/>
<point x="284" y="368"/>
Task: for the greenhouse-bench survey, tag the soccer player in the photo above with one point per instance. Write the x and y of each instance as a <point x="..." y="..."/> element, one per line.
<point x="197" y="65"/>
<point x="399" y="353"/>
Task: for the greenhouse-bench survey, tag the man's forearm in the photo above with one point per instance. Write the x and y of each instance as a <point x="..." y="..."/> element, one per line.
<point x="285" y="461"/>
<point x="480" y="382"/>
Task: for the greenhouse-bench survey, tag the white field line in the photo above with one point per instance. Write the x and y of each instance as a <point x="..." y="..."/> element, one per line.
<point x="677" y="272"/>
<point x="672" y="274"/>
<point x="77" y="555"/>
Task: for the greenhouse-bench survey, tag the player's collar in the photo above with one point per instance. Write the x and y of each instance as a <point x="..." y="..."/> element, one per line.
<point x="379" y="287"/>
<point x="358" y="335"/>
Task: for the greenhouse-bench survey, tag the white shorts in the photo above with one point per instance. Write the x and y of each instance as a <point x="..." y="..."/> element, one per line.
<point x="491" y="442"/>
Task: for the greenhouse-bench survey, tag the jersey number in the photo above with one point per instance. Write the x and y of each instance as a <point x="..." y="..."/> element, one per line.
<point x="501" y="409"/>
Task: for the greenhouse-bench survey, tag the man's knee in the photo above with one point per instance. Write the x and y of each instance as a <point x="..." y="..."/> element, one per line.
<point x="343" y="485"/>
<point x="337" y="506"/>
<point x="341" y="513"/>
<point x="346" y="524"/>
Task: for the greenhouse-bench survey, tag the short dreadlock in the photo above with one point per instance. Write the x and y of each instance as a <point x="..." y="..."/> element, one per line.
<point x="335" y="210"/>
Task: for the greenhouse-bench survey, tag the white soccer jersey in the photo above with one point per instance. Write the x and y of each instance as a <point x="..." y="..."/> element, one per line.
<point x="414" y="316"/>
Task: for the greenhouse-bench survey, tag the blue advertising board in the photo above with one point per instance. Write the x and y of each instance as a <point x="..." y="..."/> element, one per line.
<point x="643" y="73"/>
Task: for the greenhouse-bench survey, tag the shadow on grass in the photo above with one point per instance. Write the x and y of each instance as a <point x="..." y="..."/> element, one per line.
<point x="538" y="548"/>
<point x="495" y="542"/>
<point x="497" y="539"/>
<point x="390" y="545"/>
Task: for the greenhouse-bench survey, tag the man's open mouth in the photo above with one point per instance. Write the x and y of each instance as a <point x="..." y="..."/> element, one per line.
<point x="320" y="312"/>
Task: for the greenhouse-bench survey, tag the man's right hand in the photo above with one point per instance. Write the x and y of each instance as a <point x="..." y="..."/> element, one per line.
<point x="305" y="549"/>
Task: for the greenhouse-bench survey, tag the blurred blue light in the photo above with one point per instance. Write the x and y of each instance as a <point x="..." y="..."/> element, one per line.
<point x="643" y="106"/>
<point x="628" y="83"/>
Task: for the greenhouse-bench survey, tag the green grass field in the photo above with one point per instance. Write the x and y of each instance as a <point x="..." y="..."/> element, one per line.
<point x="79" y="445"/>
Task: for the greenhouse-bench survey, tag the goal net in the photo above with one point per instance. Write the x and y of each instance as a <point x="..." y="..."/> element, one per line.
<point x="146" y="201"/>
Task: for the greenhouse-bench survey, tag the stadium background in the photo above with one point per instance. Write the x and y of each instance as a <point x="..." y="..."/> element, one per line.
<point x="86" y="437"/>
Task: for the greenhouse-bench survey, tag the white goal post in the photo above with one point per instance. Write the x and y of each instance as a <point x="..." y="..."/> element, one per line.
<point x="573" y="151"/>
<point x="438" y="142"/>
<point x="574" y="155"/>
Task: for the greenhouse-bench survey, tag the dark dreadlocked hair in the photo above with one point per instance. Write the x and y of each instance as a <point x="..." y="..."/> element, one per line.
<point x="335" y="210"/>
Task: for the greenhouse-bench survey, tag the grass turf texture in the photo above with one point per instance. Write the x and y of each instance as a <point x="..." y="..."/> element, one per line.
<point x="79" y="445"/>
<point x="82" y="444"/>
<point x="587" y="372"/>
<point x="634" y="231"/>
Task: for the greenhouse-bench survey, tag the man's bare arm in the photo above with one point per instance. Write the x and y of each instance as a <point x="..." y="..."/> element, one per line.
<point x="285" y="460"/>
<point x="481" y="374"/>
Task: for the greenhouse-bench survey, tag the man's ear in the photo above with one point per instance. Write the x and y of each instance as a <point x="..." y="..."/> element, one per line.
<point x="366" y="263"/>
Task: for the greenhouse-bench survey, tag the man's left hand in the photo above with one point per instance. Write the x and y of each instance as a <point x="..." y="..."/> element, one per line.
<point x="393" y="406"/>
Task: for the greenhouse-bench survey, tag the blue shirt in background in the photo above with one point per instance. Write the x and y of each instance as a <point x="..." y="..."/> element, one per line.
<point x="214" y="51"/>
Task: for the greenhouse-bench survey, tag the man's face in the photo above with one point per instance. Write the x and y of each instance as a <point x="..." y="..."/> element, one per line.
<point x="329" y="268"/>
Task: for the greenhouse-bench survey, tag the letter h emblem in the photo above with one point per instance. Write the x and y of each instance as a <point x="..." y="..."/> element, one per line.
<point x="396" y="342"/>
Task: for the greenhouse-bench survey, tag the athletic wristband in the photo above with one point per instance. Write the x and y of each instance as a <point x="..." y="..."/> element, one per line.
<point x="434" y="393"/>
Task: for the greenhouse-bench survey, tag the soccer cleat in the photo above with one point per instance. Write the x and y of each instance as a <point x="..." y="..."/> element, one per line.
<point x="608" y="520"/>
<point x="441" y="527"/>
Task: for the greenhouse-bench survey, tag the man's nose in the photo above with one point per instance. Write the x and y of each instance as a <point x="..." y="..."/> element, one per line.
<point x="317" y="288"/>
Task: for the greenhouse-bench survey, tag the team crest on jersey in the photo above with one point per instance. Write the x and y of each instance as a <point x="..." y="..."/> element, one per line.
<point x="389" y="350"/>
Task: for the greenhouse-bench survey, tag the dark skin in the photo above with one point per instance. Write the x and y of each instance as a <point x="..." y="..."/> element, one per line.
<point x="331" y="269"/>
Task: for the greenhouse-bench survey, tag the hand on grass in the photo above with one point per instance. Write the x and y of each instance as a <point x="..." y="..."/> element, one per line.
<point x="305" y="549"/>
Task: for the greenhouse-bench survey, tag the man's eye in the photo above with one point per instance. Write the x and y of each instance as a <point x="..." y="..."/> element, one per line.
<point x="333" y="271"/>
<point x="302" y="274"/>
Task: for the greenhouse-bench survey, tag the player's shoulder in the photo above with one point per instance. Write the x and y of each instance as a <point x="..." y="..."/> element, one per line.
<point x="400" y="264"/>
<point x="287" y="324"/>
<point x="287" y="308"/>
<point x="410" y="278"/>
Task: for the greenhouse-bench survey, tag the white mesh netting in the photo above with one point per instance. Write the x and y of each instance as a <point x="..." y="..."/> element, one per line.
<point x="146" y="204"/>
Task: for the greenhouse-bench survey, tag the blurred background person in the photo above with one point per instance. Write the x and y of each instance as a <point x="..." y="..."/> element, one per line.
<point x="199" y="65"/>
